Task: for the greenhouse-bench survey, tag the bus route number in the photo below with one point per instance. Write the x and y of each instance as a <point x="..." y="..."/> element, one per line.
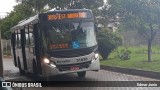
<point x="82" y="59"/>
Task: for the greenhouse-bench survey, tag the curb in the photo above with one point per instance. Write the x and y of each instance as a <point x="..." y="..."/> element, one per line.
<point x="149" y="74"/>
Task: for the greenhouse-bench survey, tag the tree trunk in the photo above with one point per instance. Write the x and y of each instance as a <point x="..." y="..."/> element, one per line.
<point x="104" y="55"/>
<point x="149" y="51"/>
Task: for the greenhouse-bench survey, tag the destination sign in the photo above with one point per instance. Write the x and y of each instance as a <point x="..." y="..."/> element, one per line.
<point x="67" y="16"/>
<point x="58" y="46"/>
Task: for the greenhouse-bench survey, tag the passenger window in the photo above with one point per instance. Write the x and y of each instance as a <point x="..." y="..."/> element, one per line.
<point x="18" y="39"/>
<point x="31" y="36"/>
<point x="31" y="39"/>
<point x="27" y="36"/>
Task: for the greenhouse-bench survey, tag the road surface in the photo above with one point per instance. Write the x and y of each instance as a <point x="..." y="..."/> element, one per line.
<point x="12" y="73"/>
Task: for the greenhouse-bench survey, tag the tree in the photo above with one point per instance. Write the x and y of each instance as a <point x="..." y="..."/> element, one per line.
<point x="36" y="5"/>
<point x="141" y="15"/>
<point x="19" y="13"/>
<point x="107" y="42"/>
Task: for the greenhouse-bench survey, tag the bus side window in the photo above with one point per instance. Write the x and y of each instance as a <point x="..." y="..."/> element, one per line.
<point x="31" y="37"/>
<point x="31" y="43"/>
<point x="26" y="36"/>
<point x="19" y="39"/>
<point x="16" y="33"/>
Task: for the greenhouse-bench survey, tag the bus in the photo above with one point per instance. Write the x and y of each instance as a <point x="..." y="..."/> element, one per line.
<point x="56" y="42"/>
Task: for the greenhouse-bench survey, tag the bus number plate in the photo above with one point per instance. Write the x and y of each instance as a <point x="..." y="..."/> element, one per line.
<point x="74" y="68"/>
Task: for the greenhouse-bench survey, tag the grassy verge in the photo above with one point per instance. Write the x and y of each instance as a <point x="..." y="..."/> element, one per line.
<point x="138" y="59"/>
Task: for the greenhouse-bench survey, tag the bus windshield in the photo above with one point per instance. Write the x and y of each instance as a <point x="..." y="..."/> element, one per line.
<point x="70" y="35"/>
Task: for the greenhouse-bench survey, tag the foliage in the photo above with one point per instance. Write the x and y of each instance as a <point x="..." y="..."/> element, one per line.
<point x="107" y="42"/>
<point x="36" y="5"/>
<point x="141" y="15"/>
<point x="18" y="14"/>
<point x="124" y="54"/>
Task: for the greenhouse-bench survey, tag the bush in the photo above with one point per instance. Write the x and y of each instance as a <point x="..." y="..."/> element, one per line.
<point x="124" y="54"/>
<point x="107" y="42"/>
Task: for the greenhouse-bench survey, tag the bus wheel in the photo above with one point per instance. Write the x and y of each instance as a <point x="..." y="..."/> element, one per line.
<point x="35" y="68"/>
<point x="81" y="74"/>
<point x="19" y="66"/>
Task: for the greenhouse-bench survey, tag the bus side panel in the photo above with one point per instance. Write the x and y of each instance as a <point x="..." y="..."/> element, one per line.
<point x="19" y="56"/>
<point x="29" y="47"/>
<point x="27" y="53"/>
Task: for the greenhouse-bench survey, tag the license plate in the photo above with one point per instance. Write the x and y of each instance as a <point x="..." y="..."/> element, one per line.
<point x="74" y="68"/>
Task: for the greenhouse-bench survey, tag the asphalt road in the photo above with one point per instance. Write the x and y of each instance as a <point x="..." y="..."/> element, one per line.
<point x="12" y="73"/>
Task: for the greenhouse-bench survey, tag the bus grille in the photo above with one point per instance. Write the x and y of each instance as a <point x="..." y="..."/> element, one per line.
<point x="72" y="52"/>
<point x="67" y="67"/>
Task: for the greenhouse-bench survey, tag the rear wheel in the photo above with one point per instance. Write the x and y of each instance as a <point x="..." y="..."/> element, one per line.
<point x="81" y="74"/>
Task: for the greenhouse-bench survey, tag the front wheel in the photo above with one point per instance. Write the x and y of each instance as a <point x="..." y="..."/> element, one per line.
<point x="81" y="74"/>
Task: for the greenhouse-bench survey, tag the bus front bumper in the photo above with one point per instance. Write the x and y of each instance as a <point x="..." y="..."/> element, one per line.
<point x="51" y="71"/>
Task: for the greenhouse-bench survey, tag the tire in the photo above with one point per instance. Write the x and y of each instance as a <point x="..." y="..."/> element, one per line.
<point x="81" y="74"/>
<point x="20" y="69"/>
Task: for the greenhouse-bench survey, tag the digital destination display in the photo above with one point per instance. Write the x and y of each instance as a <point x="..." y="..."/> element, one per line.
<point x="59" y="46"/>
<point x="67" y="16"/>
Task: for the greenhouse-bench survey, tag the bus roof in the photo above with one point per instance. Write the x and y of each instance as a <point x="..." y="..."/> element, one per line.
<point x="68" y="10"/>
<point x="25" y="22"/>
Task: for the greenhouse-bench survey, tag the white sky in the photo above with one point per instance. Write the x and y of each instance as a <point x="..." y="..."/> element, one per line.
<point x="6" y="6"/>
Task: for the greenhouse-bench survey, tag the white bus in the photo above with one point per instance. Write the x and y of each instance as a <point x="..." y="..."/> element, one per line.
<point x="56" y="42"/>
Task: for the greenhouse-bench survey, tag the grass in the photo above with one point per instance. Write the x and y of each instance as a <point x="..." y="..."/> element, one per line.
<point x="138" y="59"/>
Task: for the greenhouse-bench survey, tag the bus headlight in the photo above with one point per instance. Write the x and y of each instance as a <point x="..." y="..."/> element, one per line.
<point x="52" y="65"/>
<point x="46" y="61"/>
<point x="95" y="57"/>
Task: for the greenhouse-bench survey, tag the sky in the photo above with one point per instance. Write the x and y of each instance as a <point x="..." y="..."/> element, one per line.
<point x="6" y="6"/>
